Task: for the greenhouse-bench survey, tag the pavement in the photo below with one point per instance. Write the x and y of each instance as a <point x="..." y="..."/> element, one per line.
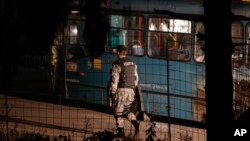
<point x="33" y="105"/>
<point x="27" y="115"/>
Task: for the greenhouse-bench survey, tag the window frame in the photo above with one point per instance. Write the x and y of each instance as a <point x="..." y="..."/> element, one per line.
<point x="136" y="46"/>
<point x="177" y="51"/>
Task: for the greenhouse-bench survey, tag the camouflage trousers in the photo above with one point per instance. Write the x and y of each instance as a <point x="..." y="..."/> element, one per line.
<point x="124" y="99"/>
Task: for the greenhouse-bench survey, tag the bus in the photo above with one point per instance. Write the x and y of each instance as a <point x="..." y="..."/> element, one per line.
<point x="168" y="52"/>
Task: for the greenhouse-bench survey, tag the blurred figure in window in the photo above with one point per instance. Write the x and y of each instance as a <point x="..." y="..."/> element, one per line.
<point x="164" y="26"/>
<point x="151" y="26"/>
<point x="164" y="37"/>
<point x="152" y="39"/>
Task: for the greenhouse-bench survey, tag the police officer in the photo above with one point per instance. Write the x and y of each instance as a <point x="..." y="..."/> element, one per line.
<point x="124" y="79"/>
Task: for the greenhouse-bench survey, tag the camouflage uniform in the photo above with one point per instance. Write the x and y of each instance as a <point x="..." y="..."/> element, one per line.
<point x="123" y="81"/>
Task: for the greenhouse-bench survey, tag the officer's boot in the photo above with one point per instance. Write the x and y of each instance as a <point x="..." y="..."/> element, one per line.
<point x="119" y="132"/>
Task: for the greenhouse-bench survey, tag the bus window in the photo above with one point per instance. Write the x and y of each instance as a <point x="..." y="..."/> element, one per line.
<point x="169" y="38"/>
<point x="128" y="31"/>
<point x="237" y="37"/>
<point x="73" y="34"/>
<point x="75" y="48"/>
<point x="239" y="51"/>
<point x="199" y="54"/>
<point x="75" y="31"/>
